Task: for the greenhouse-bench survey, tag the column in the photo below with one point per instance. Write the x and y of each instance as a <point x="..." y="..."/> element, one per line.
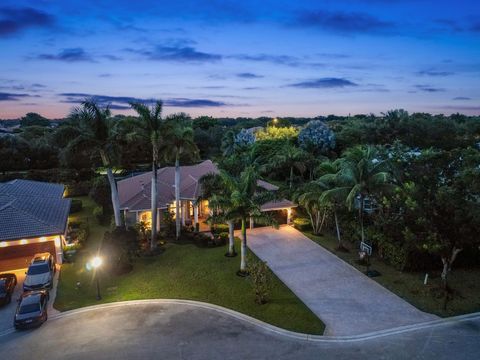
<point x="125" y="218"/>
<point x="195" y="216"/>
<point x="289" y="216"/>
<point x="159" y="213"/>
<point x="58" y="249"/>
<point x="251" y="223"/>
<point x="183" y="211"/>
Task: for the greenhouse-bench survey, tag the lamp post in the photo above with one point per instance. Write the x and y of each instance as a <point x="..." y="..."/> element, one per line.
<point x="96" y="263"/>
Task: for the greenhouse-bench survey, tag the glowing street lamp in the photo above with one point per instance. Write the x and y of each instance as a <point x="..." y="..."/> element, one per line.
<point x="96" y="263"/>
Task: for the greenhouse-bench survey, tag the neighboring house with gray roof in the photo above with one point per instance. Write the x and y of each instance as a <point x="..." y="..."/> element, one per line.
<point x="33" y="219"/>
<point x="135" y="195"/>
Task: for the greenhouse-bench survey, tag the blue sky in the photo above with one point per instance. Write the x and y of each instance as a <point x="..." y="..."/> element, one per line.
<point x="241" y="58"/>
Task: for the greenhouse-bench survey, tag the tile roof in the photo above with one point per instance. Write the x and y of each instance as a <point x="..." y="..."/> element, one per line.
<point x="32" y="209"/>
<point x="277" y="205"/>
<point x="135" y="192"/>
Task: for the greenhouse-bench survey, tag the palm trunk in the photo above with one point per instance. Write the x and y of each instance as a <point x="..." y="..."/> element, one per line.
<point x="231" y="238"/>
<point x="243" y="261"/>
<point x="113" y="190"/>
<point x="177" y="197"/>
<point x="338" y="228"/>
<point x="291" y="177"/>
<point x="361" y="217"/>
<point x="153" y="241"/>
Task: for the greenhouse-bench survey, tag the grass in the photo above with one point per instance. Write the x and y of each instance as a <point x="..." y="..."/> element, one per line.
<point x="181" y="272"/>
<point x="410" y="287"/>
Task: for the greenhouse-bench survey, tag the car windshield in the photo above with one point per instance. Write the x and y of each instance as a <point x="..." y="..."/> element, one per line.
<point x="38" y="269"/>
<point x="29" y="308"/>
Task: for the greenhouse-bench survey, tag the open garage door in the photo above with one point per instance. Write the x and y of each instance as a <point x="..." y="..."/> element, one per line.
<point x="19" y="256"/>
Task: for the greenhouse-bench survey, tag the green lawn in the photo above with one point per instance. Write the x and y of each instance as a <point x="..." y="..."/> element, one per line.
<point x="410" y="286"/>
<point x="182" y="272"/>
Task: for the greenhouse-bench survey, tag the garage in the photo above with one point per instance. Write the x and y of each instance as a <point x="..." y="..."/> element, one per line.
<point x="19" y="256"/>
<point x="33" y="219"/>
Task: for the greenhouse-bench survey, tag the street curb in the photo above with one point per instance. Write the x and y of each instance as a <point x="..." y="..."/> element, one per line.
<point x="269" y="327"/>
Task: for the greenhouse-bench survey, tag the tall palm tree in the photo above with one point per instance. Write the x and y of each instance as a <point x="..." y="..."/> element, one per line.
<point x="95" y="124"/>
<point x="245" y="199"/>
<point x="179" y="142"/>
<point x="361" y="174"/>
<point x="151" y="120"/>
<point x="292" y="158"/>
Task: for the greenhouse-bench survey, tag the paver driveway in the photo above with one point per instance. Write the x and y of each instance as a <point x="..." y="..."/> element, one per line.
<point x="346" y="300"/>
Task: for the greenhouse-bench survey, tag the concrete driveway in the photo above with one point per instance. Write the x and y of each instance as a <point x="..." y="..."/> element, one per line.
<point x="346" y="300"/>
<point x="157" y="330"/>
<point x="7" y="312"/>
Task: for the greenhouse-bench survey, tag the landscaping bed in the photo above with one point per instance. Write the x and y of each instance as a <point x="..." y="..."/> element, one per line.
<point x="181" y="272"/>
<point x="409" y="285"/>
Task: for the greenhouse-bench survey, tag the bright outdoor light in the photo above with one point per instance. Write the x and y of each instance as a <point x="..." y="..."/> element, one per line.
<point x="96" y="262"/>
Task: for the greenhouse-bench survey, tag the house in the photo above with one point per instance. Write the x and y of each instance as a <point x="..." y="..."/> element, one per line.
<point x="33" y="219"/>
<point x="135" y="196"/>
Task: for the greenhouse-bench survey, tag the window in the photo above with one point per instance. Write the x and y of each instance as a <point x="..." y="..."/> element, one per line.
<point x="38" y="269"/>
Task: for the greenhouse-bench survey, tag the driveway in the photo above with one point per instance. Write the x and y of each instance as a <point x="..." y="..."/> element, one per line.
<point x="346" y="300"/>
<point x="7" y="312"/>
<point x="158" y="330"/>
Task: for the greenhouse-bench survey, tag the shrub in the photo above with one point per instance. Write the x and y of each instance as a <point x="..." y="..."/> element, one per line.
<point x="119" y="247"/>
<point x="221" y="239"/>
<point x="260" y="279"/>
<point x="202" y="240"/>
<point x="76" y="206"/>
<point x="79" y="188"/>
<point x="79" y="231"/>
<point x="302" y="224"/>
<point x="219" y="228"/>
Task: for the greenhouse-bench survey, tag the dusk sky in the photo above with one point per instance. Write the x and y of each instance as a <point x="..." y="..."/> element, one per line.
<point x="241" y="58"/>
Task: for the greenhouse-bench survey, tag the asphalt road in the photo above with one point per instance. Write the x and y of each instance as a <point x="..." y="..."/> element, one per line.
<point x="182" y="331"/>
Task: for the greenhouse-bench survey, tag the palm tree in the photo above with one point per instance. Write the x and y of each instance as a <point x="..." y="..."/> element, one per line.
<point x="310" y="198"/>
<point x="179" y="141"/>
<point x="228" y="143"/>
<point x="327" y="171"/>
<point x="151" y="120"/>
<point x="291" y="157"/>
<point x="245" y="199"/>
<point x="361" y="174"/>
<point x="95" y="126"/>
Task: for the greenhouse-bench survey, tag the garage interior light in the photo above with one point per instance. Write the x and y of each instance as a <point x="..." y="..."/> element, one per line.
<point x="43" y="239"/>
<point x="23" y="242"/>
<point x="3" y="244"/>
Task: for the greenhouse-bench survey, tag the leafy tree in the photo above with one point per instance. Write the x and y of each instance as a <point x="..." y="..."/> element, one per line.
<point x="244" y="138"/>
<point x="316" y="137"/>
<point x="34" y="119"/>
<point x="152" y="128"/>
<point x="273" y="132"/>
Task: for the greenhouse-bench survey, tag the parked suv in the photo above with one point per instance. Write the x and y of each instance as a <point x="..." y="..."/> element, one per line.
<point x="31" y="309"/>
<point x="7" y="286"/>
<point x="40" y="273"/>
